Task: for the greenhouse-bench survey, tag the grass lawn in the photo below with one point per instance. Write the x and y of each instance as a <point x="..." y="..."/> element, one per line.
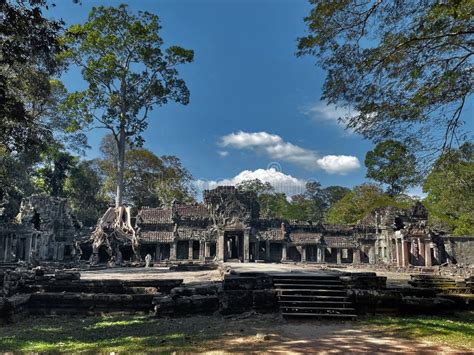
<point x="104" y="334"/>
<point x="453" y="330"/>
<point x="215" y="333"/>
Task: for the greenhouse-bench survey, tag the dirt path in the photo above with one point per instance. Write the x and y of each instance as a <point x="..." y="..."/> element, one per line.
<point x="273" y="335"/>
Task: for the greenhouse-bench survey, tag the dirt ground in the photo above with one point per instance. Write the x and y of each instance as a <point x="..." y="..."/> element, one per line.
<point x="280" y="336"/>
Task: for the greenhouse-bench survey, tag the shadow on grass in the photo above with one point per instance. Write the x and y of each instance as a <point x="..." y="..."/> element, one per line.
<point x="118" y="333"/>
<point x="456" y="330"/>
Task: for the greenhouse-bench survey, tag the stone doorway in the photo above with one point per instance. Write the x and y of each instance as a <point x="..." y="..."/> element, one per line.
<point x="234" y="245"/>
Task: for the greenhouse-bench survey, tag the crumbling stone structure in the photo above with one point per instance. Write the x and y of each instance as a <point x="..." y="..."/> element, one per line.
<point x="227" y="227"/>
<point x="43" y="230"/>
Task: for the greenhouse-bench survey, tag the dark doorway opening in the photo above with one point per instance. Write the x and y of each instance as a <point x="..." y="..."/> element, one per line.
<point x="212" y="250"/>
<point x="164" y="252"/>
<point x="182" y="251"/>
<point x="294" y="254"/>
<point x="147" y="249"/>
<point x="196" y="249"/>
<point x="311" y="252"/>
<point x="234" y="245"/>
<point x="275" y="252"/>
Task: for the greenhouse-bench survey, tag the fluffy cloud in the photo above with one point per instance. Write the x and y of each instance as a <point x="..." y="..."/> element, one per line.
<point x="280" y="181"/>
<point x="276" y="148"/>
<point x="223" y="153"/>
<point x="326" y="113"/>
<point x="339" y="164"/>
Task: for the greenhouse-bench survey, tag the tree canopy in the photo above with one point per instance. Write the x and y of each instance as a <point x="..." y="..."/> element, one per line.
<point x="392" y="164"/>
<point x="128" y="74"/>
<point x="359" y="202"/>
<point x="404" y="67"/>
<point x="450" y="191"/>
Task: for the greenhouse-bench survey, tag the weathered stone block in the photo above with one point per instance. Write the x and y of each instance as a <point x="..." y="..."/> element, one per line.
<point x="237" y="301"/>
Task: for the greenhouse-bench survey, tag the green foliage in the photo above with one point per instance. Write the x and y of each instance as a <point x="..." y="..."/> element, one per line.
<point x="310" y="206"/>
<point x="51" y="172"/>
<point x="404" y="67"/>
<point x="359" y="202"/>
<point x="450" y="191"/>
<point x="83" y="188"/>
<point x="14" y="182"/>
<point x="392" y="164"/>
<point x="149" y="180"/>
<point x="29" y="117"/>
<point x="128" y="74"/>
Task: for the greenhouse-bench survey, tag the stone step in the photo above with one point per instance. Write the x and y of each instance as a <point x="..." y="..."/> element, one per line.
<point x="325" y="303"/>
<point x="315" y="291"/>
<point x="307" y="277"/>
<point x="307" y="280"/>
<point x="305" y="286"/>
<point x="319" y="315"/>
<point x="318" y="297"/>
<point x="343" y="309"/>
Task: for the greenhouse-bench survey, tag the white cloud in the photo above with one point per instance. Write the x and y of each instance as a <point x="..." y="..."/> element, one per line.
<point x="276" y="148"/>
<point x="280" y="181"/>
<point x="322" y="112"/>
<point x="339" y="164"/>
<point x="223" y="153"/>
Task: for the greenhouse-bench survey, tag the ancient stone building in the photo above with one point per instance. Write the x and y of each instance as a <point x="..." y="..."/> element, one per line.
<point x="44" y="229"/>
<point x="227" y="227"/>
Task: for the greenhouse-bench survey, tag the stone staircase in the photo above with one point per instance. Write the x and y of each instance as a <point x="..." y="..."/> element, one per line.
<point x="317" y="296"/>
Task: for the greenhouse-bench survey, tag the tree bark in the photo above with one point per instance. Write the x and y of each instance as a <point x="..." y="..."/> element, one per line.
<point x="121" y="166"/>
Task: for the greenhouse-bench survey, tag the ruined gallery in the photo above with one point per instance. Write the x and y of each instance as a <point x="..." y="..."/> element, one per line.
<point x="227" y="227"/>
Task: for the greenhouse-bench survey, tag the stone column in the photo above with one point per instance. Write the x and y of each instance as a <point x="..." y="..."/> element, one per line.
<point x="267" y="250"/>
<point x="323" y="254"/>
<point x="7" y="247"/>
<point x="318" y="254"/>
<point x="190" y="250"/>
<point x="246" y="246"/>
<point x="303" y="253"/>
<point x="372" y="255"/>
<point x="283" y="252"/>
<point x="173" y="250"/>
<point x="207" y="250"/>
<point x="338" y="256"/>
<point x="405" y="253"/>
<point x="428" y="261"/>
<point x="421" y="252"/>
<point x="157" y="252"/>
<point x="355" y="256"/>
<point x="221" y="247"/>
<point x="202" y="250"/>
<point x="397" y="251"/>
<point x="257" y="250"/>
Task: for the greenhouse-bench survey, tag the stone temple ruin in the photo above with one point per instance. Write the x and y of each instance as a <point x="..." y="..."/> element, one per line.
<point x="41" y="260"/>
<point x="44" y="230"/>
<point x="227" y="227"/>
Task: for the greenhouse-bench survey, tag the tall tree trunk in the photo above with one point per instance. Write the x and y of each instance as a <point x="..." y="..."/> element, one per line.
<point x="121" y="167"/>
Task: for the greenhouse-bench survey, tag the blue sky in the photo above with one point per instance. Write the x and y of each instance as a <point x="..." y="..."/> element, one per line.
<point x="254" y="105"/>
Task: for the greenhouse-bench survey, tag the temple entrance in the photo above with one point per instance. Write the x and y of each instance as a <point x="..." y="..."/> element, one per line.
<point x="234" y="245"/>
<point x="294" y="254"/>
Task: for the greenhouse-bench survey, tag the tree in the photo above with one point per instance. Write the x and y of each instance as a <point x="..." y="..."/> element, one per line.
<point x="149" y="180"/>
<point x="404" y="67"/>
<point x="83" y="188"/>
<point x="392" y="164"/>
<point x="51" y="172"/>
<point x="450" y="191"/>
<point x="255" y="185"/>
<point x="15" y="182"/>
<point x="28" y="50"/>
<point x="333" y="194"/>
<point x="358" y="203"/>
<point x="128" y="74"/>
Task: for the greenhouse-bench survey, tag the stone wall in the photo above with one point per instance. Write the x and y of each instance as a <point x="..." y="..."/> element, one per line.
<point x="460" y="250"/>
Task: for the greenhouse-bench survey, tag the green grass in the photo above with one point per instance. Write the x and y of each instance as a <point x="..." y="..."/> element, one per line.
<point x="97" y="334"/>
<point x="455" y="330"/>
